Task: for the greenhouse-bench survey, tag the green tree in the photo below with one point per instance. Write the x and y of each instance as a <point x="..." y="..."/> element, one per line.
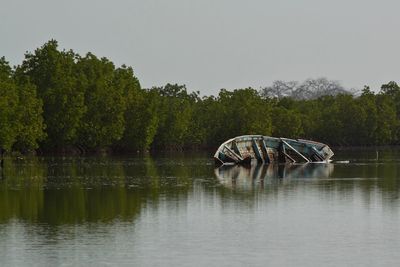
<point x="176" y="107"/>
<point x="21" y="120"/>
<point x="30" y="118"/>
<point x="141" y="115"/>
<point x="203" y="124"/>
<point x="286" y="123"/>
<point x="329" y="126"/>
<point x="352" y="117"/>
<point x="245" y="112"/>
<point x="53" y="73"/>
<point x="368" y="103"/>
<point x="142" y="120"/>
<point x="103" y="122"/>
<point x="392" y="89"/>
<point x="9" y="104"/>
<point x="386" y="132"/>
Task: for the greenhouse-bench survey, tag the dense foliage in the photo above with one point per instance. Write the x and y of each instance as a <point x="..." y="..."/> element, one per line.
<point x="61" y="100"/>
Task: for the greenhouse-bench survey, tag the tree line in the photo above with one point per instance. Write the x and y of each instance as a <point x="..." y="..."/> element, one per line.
<point x="58" y="100"/>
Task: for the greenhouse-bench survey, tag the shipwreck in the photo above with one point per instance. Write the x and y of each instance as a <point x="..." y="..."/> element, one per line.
<point x="265" y="149"/>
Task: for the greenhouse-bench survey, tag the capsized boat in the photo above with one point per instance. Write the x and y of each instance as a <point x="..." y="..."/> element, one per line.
<point x="265" y="149"/>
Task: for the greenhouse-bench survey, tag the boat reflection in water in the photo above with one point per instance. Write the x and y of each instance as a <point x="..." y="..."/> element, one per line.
<point x="259" y="175"/>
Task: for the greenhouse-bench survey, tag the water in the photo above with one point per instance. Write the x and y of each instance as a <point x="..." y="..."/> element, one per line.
<point x="179" y="211"/>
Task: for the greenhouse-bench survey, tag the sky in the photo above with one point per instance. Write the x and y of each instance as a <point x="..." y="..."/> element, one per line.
<point x="212" y="44"/>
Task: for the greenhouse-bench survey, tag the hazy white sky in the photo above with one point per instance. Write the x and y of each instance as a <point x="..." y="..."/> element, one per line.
<point x="213" y="44"/>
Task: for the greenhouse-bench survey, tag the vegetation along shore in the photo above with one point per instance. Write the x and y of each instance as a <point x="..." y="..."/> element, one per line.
<point x="57" y="100"/>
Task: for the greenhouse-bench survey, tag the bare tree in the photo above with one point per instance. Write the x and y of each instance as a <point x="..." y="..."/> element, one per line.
<point x="279" y="89"/>
<point x="309" y="89"/>
<point x="314" y="88"/>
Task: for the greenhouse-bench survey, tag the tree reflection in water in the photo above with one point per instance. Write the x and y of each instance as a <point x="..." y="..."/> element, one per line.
<point x="57" y="191"/>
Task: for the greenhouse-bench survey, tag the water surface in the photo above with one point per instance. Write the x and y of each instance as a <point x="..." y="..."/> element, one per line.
<point x="180" y="211"/>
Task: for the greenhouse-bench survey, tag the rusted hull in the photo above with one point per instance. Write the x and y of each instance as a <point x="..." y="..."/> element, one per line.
<point x="265" y="149"/>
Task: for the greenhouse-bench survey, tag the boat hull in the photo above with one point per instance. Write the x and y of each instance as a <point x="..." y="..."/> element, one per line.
<point x="265" y="149"/>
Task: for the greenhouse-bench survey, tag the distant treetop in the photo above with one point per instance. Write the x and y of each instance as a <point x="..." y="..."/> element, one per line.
<point x="309" y="89"/>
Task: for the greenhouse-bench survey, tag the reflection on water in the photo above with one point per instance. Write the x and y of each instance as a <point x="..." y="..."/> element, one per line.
<point x="76" y="190"/>
<point x="180" y="210"/>
<point x="259" y="175"/>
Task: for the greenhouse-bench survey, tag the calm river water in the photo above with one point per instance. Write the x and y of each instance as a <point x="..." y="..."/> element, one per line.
<point x="180" y="211"/>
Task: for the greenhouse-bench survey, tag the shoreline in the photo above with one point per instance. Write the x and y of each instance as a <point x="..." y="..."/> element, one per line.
<point x="377" y="147"/>
<point x="154" y="152"/>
